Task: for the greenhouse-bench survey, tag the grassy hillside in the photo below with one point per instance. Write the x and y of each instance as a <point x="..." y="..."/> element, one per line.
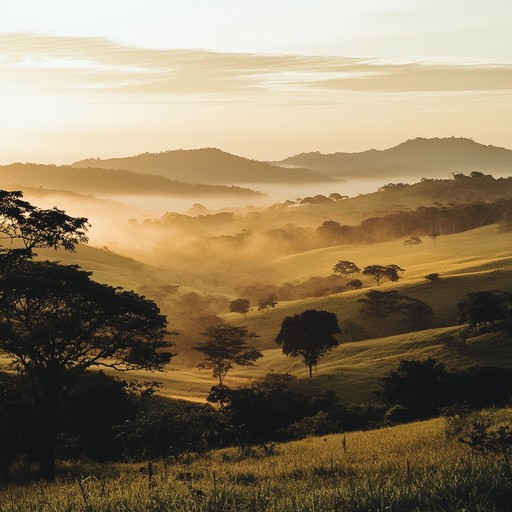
<point x="207" y="165"/>
<point x="107" y="267"/>
<point x="416" y="157"/>
<point x="401" y="468"/>
<point x="480" y="259"/>
<point x="475" y="260"/>
<point x="109" y="181"/>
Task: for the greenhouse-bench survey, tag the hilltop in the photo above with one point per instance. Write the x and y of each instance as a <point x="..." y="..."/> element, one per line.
<point x="206" y="165"/>
<point x="412" y="158"/>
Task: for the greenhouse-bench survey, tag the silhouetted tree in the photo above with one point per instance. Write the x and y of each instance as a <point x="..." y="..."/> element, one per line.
<point x="355" y="284"/>
<point x="309" y="335"/>
<point x="346" y="268"/>
<point x="379" y="272"/>
<point x="226" y="345"/>
<point x="413" y="240"/>
<point x="267" y="303"/>
<point x="55" y="323"/>
<point x="31" y="228"/>
<point x="485" y="307"/>
<point x="379" y="304"/>
<point x="420" y="386"/>
<point x="241" y="306"/>
<point x="433" y="278"/>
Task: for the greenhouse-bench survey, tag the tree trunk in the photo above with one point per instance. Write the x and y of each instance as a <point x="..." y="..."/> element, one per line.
<point x="48" y="411"/>
<point x="310" y="370"/>
<point x="48" y="436"/>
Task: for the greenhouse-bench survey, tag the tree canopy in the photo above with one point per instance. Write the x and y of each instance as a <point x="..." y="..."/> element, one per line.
<point x="379" y="272"/>
<point x="379" y="304"/>
<point x="309" y="334"/>
<point x="55" y="323"/>
<point x="241" y="306"/>
<point x="28" y="227"/>
<point x="346" y="268"/>
<point x="226" y="345"/>
<point x="485" y="307"/>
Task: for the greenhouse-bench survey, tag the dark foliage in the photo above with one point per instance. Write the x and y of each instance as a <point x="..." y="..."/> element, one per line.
<point x="416" y="313"/>
<point x="485" y="307"/>
<point x="309" y="334"/>
<point x="379" y="272"/>
<point x="241" y="306"/>
<point x="226" y="345"/>
<point x="346" y="268"/>
<point x="424" y="388"/>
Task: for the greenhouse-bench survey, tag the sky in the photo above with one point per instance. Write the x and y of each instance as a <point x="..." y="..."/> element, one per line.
<point x="261" y="79"/>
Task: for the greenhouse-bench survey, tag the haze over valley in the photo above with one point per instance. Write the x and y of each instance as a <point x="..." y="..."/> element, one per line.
<point x="255" y="256"/>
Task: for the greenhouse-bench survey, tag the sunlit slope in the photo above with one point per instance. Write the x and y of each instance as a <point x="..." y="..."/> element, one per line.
<point x="475" y="260"/>
<point x="107" y="267"/>
<point x="477" y="250"/>
<point x="353" y="369"/>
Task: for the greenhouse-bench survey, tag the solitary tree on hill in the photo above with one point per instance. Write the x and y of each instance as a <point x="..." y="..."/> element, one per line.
<point x="309" y="335"/>
<point x="226" y="345"/>
<point x="346" y="268"/>
<point x="241" y="306"/>
<point x="267" y="303"/>
<point x="379" y="272"/>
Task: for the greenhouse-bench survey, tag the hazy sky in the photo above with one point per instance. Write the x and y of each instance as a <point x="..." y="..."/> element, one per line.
<point x="263" y="79"/>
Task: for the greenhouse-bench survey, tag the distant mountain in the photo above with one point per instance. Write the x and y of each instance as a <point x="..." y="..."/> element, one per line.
<point x="207" y="165"/>
<point x="107" y="181"/>
<point x="416" y="158"/>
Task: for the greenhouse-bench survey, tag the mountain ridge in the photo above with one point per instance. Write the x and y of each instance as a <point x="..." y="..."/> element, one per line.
<point x="206" y="165"/>
<point x="412" y="157"/>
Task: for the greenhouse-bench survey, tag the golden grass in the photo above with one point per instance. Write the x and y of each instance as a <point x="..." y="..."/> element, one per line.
<point x="402" y="468"/>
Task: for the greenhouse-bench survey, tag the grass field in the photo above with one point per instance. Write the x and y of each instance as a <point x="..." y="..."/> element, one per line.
<point x="411" y="467"/>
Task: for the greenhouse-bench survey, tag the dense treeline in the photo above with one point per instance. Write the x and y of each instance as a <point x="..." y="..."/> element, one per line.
<point x="429" y="221"/>
<point x="108" y="419"/>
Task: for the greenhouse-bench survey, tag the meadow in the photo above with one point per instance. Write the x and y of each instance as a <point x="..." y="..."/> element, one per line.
<point x="412" y="467"/>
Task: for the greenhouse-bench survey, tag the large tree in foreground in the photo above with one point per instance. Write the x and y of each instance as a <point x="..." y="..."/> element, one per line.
<point x="309" y="335"/>
<point x="55" y="323"/>
<point x="224" y="346"/>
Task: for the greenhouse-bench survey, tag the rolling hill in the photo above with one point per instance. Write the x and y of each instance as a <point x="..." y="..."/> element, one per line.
<point x="111" y="182"/>
<point x="480" y="259"/>
<point x="413" y="158"/>
<point x="206" y="165"/>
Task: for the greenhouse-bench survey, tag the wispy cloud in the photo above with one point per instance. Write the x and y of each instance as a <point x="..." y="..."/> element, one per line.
<point x="71" y="64"/>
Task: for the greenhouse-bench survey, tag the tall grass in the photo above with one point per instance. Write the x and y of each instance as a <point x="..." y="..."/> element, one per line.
<point x="404" y="468"/>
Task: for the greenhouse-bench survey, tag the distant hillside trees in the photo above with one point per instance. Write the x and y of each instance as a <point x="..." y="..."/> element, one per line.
<point x="433" y="277"/>
<point x="268" y="303"/>
<point x="416" y="313"/>
<point x="485" y="307"/>
<point x="355" y="284"/>
<point x="379" y="272"/>
<point x="346" y="268"/>
<point x="225" y="345"/>
<point x="241" y="306"/>
<point x="432" y="221"/>
<point x="310" y="335"/>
